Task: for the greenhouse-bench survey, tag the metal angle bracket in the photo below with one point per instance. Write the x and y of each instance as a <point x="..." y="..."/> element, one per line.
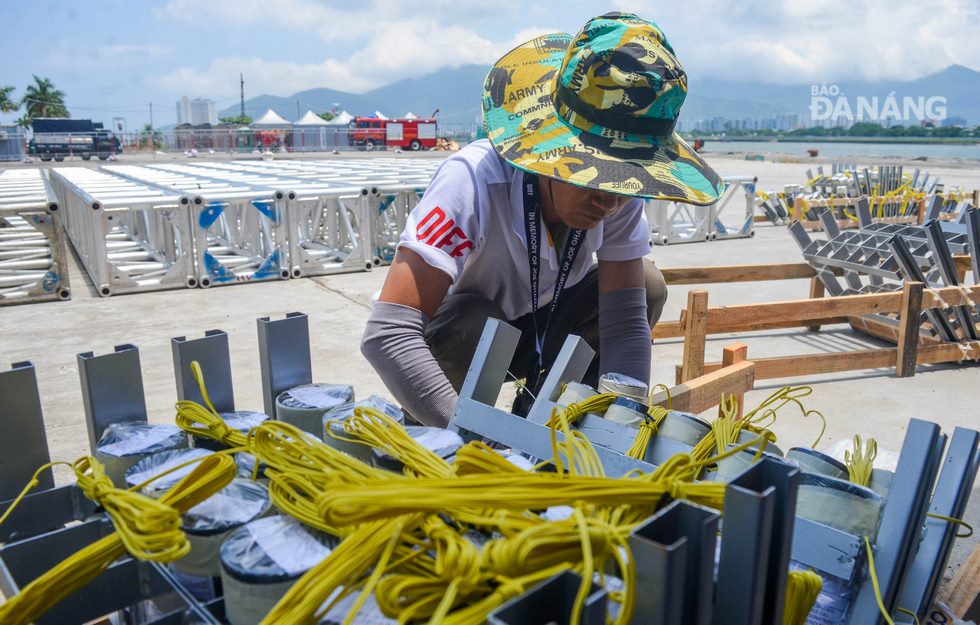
<point x="112" y="389"/>
<point x="674" y="552"/>
<point x="212" y="353"/>
<point x="24" y="447"/>
<point x="284" y="356"/>
<point x="757" y="539"/>
<point x="551" y="602"/>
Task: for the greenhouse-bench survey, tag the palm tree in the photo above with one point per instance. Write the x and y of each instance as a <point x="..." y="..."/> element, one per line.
<point x="42" y="100"/>
<point x="6" y="104"/>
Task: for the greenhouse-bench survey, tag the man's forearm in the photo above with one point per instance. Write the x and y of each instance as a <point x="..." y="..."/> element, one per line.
<point x="395" y="346"/>
<point x="624" y="333"/>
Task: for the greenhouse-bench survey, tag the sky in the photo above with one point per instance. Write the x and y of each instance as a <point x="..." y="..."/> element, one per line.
<point x="112" y="58"/>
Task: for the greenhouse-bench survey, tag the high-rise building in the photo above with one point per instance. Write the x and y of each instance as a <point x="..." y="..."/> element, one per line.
<point x="196" y="112"/>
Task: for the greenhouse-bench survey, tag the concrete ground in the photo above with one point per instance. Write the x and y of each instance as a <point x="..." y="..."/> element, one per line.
<point x="871" y="403"/>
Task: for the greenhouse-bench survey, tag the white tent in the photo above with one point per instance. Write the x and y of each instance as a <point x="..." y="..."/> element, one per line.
<point x="341" y="119"/>
<point x="380" y="115"/>
<point x="271" y="119"/>
<point x="311" y="119"/>
<point x="411" y="115"/>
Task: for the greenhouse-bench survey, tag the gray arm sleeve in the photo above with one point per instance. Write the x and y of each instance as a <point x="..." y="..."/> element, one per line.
<point x="394" y="344"/>
<point x="624" y="333"/>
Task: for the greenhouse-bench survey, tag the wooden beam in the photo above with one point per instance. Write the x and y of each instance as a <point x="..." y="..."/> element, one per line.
<point x="962" y="595"/>
<point x="804" y="310"/>
<point x="908" y="330"/>
<point x="876" y="327"/>
<point x="731" y="354"/>
<point x="695" y="335"/>
<point x="816" y="292"/>
<point x="737" y="273"/>
<point x="704" y="392"/>
<point x="963" y="264"/>
<point x="674" y="329"/>
<point x="951" y="296"/>
<point x="813" y="364"/>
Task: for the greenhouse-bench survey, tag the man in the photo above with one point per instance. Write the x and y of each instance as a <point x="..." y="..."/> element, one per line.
<point x="579" y="129"/>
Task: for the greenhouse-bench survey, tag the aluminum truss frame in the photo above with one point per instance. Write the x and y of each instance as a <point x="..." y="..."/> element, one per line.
<point x="33" y="248"/>
<point x="742" y="225"/>
<point x="130" y="237"/>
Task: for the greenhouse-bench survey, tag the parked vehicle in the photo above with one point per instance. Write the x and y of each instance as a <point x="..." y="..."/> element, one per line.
<point x="374" y="132"/>
<point x="55" y="138"/>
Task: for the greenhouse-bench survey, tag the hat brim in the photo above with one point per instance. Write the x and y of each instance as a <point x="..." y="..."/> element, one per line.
<point x="523" y="124"/>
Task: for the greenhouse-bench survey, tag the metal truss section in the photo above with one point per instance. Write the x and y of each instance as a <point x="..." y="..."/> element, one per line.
<point x="331" y="230"/>
<point x="33" y="250"/>
<point x="675" y="222"/>
<point x="238" y="227"/>
<point x="130" y="236"/>
<point x="733" y="215"/>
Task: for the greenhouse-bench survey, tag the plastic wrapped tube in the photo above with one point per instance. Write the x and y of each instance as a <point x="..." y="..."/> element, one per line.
<point x="208" y="523"/>
<point x="333" y="421"/>
<point x="158" y="463"/>
<point x="304" y="406"/>
<point x="813" y="461"/>
<point x="683" y="427"/>
<point x="260" y="562"/>
<point x="241" y="420"/>
<point x="124" y="444"/>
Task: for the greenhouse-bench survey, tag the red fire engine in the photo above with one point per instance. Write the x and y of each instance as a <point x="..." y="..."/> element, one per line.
<point x="373" y="132"/>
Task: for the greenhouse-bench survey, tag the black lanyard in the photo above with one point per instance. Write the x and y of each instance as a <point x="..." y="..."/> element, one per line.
<point x="572" y="246"/>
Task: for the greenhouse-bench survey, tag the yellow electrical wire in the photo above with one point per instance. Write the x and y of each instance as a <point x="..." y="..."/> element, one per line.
<point x="860" y="462"/>
<point x="205" y="422"/>
<point x="146" y="528"/>
<point x="802" y="590"/>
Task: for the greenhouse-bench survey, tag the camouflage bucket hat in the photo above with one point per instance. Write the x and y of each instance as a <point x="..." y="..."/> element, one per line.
<point x="598" y="111"/>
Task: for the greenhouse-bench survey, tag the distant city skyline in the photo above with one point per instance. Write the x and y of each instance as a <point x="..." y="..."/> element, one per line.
<point x="195" y="112"/>
<point x="113" y="58"/>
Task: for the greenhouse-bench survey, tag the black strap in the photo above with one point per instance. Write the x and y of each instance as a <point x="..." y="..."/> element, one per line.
<point x="572" y="246"/>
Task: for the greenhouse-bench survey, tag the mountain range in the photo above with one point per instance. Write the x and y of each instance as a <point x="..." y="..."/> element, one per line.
<point x="457" y="92"/>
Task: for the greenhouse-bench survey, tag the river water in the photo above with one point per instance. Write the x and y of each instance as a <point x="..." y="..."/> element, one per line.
<point x="844" y="149"/>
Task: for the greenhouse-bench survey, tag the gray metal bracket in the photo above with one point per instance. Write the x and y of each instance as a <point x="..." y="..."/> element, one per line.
<point x="284" y="356"/>
<point x="24" y="446"/>
<point x="756" y="542"/>
<point x="213" y="354"/>
<point x="551" y="602"/>
<point x="901" y="519"/>
<point x="674" y="552"/>
<point x="949" y="499"/>
<point x="112" y="389"/>
<point x="44" y="511"/>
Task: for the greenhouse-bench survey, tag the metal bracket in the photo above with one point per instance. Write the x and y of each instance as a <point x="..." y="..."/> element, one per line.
<point x="24" y="446"/>
<point x="112" y="389"/>
<point x="284" y="356"/>
<point x="215" y="359"/>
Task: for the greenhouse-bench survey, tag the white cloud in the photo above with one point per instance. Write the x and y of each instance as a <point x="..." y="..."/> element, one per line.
<point x="798" y="42"/>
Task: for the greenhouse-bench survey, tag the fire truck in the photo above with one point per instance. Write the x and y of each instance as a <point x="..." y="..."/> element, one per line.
<point x="374" y="132"/>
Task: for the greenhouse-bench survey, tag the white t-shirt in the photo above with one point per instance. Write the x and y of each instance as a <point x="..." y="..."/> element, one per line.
<point x="470" y="225"/>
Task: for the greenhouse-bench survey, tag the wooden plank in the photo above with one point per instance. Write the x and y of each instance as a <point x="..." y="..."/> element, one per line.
<point x="804" y="310"/>
<point x="962" y="595"/>
<point x="963" y="264"/>
<point x="695" y="335"/>
<point x="908" y="330"/>
<point x="813" y="364"/>
<point x="877" y="328"/>
<point x="674" y="329"/>
<point x="951" y="296"/>
<point x="704" y="392"/>
<point x="736" y="273"/>
<point x="816" y="292"/>
<point x="731" y="354"/>
<point x="920" y="211"/>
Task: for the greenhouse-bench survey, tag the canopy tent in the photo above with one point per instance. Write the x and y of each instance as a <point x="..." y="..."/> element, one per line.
<point x="341" y="119"/>
<point x="379" y="115"/>
<point x="311" y="119"/>
<point x="312" y="133"/>
<point x="270" y="119"/>
<point x="411" y="115"/>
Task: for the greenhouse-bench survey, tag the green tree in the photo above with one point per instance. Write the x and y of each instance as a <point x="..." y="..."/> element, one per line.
<point x="147" y="133"/>
<point x="239" y="119"/>
<point x="7" y="105"/>
<point x="42" y="100"/>
<point x="325" y="116"/>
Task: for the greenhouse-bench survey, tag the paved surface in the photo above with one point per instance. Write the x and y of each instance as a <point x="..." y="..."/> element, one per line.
<point x="869" y="403"/>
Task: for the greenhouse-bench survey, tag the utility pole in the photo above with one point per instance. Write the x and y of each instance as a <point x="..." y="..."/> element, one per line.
<point x="152" y="142"/>
<point x="297" y="109"/>
<point x="241" y="77"/>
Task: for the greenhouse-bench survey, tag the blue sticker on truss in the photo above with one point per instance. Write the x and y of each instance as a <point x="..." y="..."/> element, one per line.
<point x="270" y="268"/>
<point x="216" y="270"/>
<point x="50" y="281"/>
<point x="210" y="213"/>
<point x="385" y="203"/>
<point x="267" y="208"/>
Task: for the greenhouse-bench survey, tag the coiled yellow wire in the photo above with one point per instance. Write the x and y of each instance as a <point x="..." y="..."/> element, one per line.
<point x="860" y="462"/>
<point x="802" y="590"/>
<point x="146" y="528"/>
